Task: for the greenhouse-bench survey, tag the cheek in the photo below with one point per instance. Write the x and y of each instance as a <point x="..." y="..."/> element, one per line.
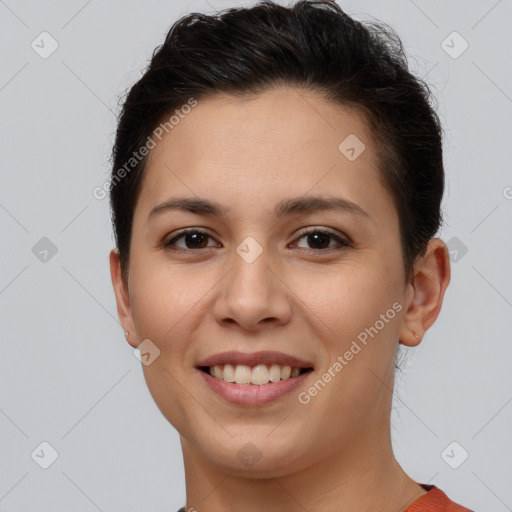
<point x="165" y="308"/>
<point x="167" y="304"/>
<point x="347" y="299"/>
<point x="157" y="305"/>
<point x="354" y="400"/>
<point x="357" y="375"/>
<point x="358" y="310"/>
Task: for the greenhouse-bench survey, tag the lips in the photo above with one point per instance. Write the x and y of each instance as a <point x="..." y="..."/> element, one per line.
<point x="260" y="377"/>
<point x="249" y="395"/>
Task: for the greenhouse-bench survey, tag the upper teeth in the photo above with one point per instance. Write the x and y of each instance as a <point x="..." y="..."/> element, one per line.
<point x="259" y="374"/>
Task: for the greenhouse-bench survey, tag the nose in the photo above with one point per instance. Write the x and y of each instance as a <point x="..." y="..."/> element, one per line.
<point x="252" y="295"/>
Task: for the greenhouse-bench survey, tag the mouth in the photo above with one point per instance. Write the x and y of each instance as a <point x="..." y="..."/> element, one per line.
<point x="257" y="375"/>
<point x="253" y="379"/>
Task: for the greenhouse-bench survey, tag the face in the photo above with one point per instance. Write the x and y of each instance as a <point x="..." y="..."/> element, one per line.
<point x="293" y="252"/>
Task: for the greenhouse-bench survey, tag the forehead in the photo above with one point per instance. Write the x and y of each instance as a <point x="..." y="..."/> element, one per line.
<point x="284" y="141"/>
<point x="281" y="120"/>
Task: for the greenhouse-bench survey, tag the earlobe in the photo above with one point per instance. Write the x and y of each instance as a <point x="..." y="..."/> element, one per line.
<point x="122" y="296"/>
<point x="431" y="278"/>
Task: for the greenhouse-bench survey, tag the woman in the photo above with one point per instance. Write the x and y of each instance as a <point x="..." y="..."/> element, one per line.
<point x="275" y="193"/>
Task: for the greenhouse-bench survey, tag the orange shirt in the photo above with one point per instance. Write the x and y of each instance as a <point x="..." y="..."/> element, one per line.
<point x="435" y="500"/>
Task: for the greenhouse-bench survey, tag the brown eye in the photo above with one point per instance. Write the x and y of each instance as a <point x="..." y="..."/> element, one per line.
<point x="318" y="240"/>
<point x="193" y="239"/>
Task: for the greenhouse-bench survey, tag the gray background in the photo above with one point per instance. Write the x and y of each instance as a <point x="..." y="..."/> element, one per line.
<point x="68" y="377"/>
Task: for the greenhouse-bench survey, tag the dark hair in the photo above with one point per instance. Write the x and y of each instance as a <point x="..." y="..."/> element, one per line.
<point x="314" y="45"/>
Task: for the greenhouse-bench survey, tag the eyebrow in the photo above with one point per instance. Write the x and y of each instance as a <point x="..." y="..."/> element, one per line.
<point x="287" y="207"/>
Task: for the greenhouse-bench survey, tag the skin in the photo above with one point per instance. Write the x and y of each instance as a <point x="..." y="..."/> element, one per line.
<point x="247" y="155"/>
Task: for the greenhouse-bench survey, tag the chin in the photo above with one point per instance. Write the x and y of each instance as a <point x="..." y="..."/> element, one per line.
<point x="252" y="452"/>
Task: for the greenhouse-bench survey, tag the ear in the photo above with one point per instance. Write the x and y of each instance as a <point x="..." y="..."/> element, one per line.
<point x="122" y="298"/>
<point x="426" y="290"/>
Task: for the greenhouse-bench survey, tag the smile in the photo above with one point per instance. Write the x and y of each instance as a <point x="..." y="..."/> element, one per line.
<point x="253" y="378"/>
<point x="258" y="375"/>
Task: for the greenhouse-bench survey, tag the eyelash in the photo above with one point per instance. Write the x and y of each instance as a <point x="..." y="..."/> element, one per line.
<point x="342" y="242"/>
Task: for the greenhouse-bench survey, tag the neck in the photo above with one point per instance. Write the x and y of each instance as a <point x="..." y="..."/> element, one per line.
<point x="364" y="476"/>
